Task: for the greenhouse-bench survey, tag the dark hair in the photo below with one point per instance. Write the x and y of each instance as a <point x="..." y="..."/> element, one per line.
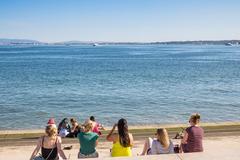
<point x="195" y="118"/>
<point x="72" y="120"/>
<point x="123" y="133"/>
<point x="92" y="118"/>
<point x="63" y="122"/>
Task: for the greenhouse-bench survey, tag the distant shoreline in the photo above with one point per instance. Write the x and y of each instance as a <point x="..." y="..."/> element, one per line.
<point x="12" y="42"/>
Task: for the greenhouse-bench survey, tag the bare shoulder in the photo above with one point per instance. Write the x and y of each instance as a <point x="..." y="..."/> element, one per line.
<point x="40" y="140"/>
<point x="115" y="137"/>
<point x="59" y="139"/>
<point x="131" y="138"/>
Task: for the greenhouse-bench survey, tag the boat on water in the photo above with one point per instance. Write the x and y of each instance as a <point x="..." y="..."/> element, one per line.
<point x="228" y="44"/>
<point x="95" y="44"/>
<point x="232" y="44"/>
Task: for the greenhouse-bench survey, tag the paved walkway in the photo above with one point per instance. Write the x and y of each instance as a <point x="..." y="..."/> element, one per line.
<point x="216" y="148"/>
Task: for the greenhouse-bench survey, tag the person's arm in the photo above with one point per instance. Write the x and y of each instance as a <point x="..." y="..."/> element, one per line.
<point x="74" y="128"/>
<point x="101" y="127"/>
<point x="111" y="136"/>
<point x="185" y="137"/>
<point x="96" y="139"/>
<point x="36" y="150"/>
<point x="59" y="148"/>
<point x="80" y="128"/>
<point x="96" y="143"/>
<point x="131" y="139"/>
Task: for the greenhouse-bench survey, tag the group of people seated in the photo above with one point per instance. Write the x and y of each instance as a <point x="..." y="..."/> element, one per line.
<point x="89" y="132"/>
<point x="67" y="130"/>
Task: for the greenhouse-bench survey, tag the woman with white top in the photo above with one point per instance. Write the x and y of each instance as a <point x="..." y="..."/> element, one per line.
<point x="159" y="145"/>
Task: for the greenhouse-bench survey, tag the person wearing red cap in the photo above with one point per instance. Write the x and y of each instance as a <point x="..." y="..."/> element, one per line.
<point x="51" y="122"/>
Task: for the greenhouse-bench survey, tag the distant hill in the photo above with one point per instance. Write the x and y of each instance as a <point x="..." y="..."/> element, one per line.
<point x="207" y="42"/>
<point x="5" y="41"/>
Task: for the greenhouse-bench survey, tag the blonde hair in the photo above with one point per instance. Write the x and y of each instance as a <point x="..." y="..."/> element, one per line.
<point x="51" y="130"/>
<point x="162" y="136"/>
<point x="88" y="125"/>
<point x="195" y="118"/>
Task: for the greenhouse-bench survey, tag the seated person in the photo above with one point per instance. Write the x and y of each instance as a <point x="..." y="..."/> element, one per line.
<point x="193" y="135"/>
<point x="49" y="144"/>
<point x="122" y="141"/>
<point x="159" y="145"/>
<point x="74" y="129"/>
<point x="88" y="141"/>
<point x="64" y="128"/>
<point x="96" y="126"/>
<point x="51" y="122"/>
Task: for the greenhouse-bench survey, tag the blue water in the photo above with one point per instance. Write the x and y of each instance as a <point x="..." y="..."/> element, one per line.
<point x="147" y="84"/>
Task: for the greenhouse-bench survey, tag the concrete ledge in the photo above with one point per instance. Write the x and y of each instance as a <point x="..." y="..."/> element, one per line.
<point x="182" y="156"/>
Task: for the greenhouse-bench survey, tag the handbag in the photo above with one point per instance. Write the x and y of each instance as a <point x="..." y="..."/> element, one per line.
<point x="176" y="148"/>
<point x="39" y="157"/>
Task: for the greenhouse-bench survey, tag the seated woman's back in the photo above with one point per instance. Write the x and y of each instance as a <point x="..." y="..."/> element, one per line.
<point x="194" y="141"/>
<point x="158" y="148"/>
<point x="161" y="144"/>
<point x="88" y="141"/>
<point x="49" y="147"/>
<point x="193" y="136"/>
<point x="122" y="141"/>
<point x="48" y="142"/>
<point x="119" y="150"/>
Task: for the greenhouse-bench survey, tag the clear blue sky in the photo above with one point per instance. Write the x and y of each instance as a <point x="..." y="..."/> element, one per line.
<point x="120" y="20"/>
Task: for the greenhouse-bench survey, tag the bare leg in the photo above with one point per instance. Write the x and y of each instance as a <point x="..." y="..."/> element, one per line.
<point x="147" y="145"/>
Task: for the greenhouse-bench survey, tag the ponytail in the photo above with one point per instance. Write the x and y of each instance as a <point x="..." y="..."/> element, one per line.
<point x="195" y="118"/>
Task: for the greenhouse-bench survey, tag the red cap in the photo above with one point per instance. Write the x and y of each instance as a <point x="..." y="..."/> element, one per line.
<point x="51" y="121"/>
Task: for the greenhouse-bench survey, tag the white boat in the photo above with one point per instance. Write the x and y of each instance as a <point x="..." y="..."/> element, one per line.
<point x="228" y="44"/>
<point x="232" y="44"/>
<point x="95" y="44"/>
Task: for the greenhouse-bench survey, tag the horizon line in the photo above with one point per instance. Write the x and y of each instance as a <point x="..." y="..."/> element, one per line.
<point x="102" y="41"/>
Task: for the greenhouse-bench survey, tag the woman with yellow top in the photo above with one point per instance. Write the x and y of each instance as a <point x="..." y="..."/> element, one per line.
<point x="122" y="141"/>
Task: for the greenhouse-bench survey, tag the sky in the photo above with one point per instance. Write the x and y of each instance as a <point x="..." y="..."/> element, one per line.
<point x="120" y="20"/>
